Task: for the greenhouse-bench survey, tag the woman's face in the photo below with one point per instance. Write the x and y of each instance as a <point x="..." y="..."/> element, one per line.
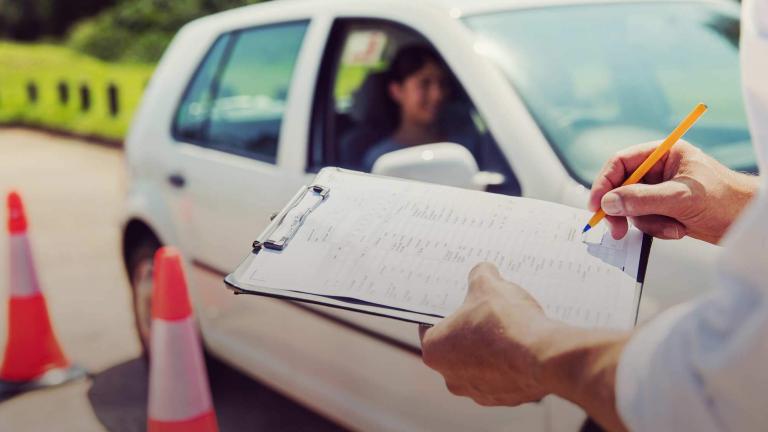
<point x="421" y="94"/>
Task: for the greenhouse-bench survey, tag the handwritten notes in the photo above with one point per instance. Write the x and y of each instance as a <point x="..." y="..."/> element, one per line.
<point x="411" y="246"/>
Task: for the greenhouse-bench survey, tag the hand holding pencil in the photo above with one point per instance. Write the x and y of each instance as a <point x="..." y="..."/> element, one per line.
<point x="684" y="193"/>
<point x="654" y="157"/>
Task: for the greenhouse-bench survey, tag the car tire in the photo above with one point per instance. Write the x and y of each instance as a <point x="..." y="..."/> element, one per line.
<point x="140" y="262"/>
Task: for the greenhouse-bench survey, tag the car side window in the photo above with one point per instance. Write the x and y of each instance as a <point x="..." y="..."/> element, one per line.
<point x="243" y="105"/>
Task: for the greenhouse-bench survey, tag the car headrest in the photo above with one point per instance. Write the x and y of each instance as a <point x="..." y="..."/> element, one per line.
<point x="371" y="105"/>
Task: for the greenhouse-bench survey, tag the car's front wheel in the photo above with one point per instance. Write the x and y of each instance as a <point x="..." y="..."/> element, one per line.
<point x="140" y="265"/>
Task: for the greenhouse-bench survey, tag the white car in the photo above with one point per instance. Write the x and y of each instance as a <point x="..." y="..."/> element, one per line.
<point x="247" y="105"/>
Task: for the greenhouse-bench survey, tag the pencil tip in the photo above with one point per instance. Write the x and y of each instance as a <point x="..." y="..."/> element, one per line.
<point x="586" y="228"/>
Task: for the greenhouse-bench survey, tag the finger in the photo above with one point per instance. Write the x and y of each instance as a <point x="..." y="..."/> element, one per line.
<point x="667" y="198"/>
<point x="456" y="388"/>
<point x="423" y="332"/>
<point x="430" y="351"/>
<point x="617" y="169"/>
<point x="481" y="277"/>
<point x="484" y="401"/>
<point x="662" y="227"/>
<point x="618" y="225"/>
<point x="484" y="269"/>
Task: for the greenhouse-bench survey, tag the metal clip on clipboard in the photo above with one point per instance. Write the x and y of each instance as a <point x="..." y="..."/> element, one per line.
<point x="286" y="225"/>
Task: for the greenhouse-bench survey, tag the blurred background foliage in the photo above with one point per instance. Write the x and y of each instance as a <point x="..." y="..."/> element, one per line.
<point x="139" y="30"/>
<point x="30" y="20"/>
<point x="101" y="46"/>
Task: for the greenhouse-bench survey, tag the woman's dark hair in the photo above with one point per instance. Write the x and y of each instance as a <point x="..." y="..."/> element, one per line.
<point x="411" y="59"/>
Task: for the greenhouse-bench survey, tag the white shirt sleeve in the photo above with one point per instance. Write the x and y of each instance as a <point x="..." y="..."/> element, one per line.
<point x="701" y="366"/>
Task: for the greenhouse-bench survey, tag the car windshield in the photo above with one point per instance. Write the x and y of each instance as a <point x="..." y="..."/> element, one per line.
<point x="598" y="78"/>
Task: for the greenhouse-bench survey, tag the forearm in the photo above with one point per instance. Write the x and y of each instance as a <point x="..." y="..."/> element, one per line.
<point x="580" y="365"/>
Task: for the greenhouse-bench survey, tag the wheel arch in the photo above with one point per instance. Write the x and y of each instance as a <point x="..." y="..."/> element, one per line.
<point x="135" y="231"/>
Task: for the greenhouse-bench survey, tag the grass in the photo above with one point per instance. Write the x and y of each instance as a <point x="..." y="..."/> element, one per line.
<point x="46" y="67"/>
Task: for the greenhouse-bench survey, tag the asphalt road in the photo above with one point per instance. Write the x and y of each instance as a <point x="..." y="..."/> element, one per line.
<point x="73" y="190"/>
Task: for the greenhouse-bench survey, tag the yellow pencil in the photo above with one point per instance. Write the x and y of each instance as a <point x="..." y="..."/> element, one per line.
<point x="654" y="157"/>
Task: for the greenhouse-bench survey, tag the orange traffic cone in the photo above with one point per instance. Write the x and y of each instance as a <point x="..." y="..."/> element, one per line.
<point x="33" y="358"/>
<point x="179" y="395"/>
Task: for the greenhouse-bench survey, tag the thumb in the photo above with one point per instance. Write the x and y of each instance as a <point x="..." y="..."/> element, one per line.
<point x="667" y="199"/>
<point x="481" y="279"/>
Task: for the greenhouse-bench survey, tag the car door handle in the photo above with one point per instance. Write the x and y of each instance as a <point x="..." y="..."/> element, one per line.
<point x="177" y="180"/>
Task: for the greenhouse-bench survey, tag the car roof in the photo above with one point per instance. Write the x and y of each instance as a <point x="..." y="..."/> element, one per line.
<point x="458" y="8"/>
<point x="451" y="8"/>
<point x="471" y="7"/>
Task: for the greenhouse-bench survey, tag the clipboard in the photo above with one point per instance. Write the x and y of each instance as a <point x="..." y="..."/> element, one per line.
<point x="287" y="224"/>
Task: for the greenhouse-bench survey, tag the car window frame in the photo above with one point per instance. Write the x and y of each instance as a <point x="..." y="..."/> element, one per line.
<point x="175" y="133"/>
<point x="322" y="108"/>
<point x="321" y="133"/>
<point x="233" y="35"/>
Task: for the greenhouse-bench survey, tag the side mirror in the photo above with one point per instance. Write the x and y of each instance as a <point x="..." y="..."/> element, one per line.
<point x="443" y="163"/>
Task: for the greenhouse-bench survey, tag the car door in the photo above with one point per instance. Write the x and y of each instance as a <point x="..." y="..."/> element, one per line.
<point x="229" y="132"/>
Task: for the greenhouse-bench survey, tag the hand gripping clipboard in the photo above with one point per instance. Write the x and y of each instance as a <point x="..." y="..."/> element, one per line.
<point x="288" y="223"/>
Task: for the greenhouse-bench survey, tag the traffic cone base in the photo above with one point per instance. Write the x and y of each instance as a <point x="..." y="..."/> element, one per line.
<point x="32" y="348"/>
<point x="51" y="378"/>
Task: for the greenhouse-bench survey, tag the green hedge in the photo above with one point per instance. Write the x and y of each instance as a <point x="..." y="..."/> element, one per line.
<point x="140" y="30"/>
<point x="47" y="67"/>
